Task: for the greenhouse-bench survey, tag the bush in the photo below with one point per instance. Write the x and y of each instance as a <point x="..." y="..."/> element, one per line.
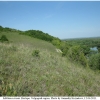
<point x="94" y="61"/>
<point x="63" y="54"/>
<point x="64" y="48"/>
<point x="56" y="42"/>
<point x="36" y="53"/>
<point x="3" y="38"/>
<point x="82" y="59"/>
<point x="76" y="54"/>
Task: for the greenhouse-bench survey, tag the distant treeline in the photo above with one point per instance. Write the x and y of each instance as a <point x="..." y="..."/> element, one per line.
<point x="33" y="33"/>
<point x="90" y="42"/>
<point x="39" y="34"/>
<point x="6" y="29"/>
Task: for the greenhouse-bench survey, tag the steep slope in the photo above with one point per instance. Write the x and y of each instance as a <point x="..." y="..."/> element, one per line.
<point x="47" y="75"/>
<point x="50" y="74"/>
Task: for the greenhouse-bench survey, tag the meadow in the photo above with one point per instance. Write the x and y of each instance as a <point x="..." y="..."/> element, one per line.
<point x="49" y="74"/>
<point x="17" y="39"/>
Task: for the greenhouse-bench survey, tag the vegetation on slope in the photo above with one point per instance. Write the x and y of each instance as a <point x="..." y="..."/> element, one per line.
<point x="77" y="50"/>
<point x="23" y="74"/>
<point x="32" y="67"/>
<point x="30" y="42"/>
<point x="81" y="48"/>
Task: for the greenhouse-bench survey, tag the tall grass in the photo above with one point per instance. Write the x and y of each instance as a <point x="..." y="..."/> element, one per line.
<point x="22" y="74"/>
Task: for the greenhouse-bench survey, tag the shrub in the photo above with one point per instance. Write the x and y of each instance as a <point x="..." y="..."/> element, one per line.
<point x="63" y="54"/>
<point x="56" y="42"/>
<point x="94" y="61"/>
<point x="36" y="53"/>
<point x="82" y="59"/>
<point x="76" y="54"/>
<point x="64" y="48"/>
<point x="3" y="38"/>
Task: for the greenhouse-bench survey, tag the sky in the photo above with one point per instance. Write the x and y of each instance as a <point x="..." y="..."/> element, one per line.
<point x="62" y="19"/>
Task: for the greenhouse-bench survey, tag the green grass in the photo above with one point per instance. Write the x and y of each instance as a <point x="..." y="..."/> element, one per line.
<point x="17" y="39"/>
<point x="22" y="74"/>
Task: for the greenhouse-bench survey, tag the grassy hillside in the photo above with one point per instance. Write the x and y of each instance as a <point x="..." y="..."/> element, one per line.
<point x="17" y="39"/>
<point x="22" y="74"/>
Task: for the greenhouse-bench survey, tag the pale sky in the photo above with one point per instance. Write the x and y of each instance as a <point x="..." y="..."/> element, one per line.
<point x="62" y="19"/>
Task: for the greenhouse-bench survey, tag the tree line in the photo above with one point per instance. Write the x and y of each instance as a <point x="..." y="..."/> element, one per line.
<point x="39" y="34"/>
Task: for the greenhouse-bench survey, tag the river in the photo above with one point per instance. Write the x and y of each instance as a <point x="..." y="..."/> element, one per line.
<point x="94" y="49"/>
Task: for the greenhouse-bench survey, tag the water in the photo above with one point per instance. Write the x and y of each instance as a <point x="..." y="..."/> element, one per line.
<point x="94" y="49"/>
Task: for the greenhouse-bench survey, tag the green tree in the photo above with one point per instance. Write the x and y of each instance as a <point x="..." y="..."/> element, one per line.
<point x="85" y="49"/>
<point x="75" y="53"/>
<point x="56" y="42"/>
<point x="94" y="61"/>
<point x="64" y="46"/>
